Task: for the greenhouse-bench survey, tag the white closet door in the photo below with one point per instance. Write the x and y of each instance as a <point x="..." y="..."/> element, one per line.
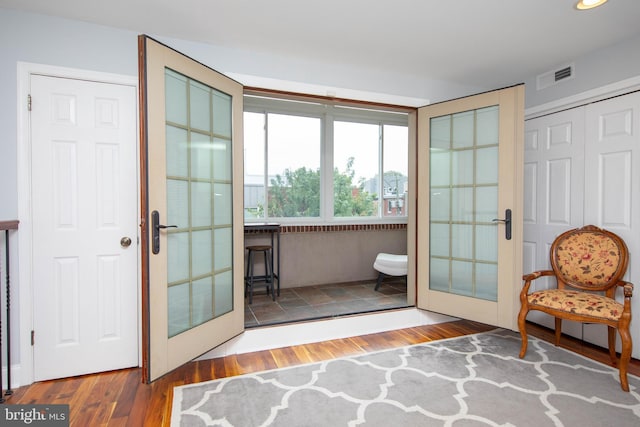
<point x="554" y="189"/>
<point x="581" y="167"/>
<point x="612" y="177"/>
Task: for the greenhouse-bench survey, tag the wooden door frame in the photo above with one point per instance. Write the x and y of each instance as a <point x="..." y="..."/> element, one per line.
<point x="25" y="371"/>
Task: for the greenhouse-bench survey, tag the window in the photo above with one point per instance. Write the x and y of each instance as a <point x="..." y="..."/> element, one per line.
<point x="310" y="162"/>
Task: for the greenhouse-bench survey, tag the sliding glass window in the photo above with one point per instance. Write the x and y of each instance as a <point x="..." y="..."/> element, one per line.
<point x="308" y="162"/>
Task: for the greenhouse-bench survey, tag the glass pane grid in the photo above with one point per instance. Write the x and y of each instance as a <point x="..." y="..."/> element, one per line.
<point x="199" y="204"/>
<point x="463" y="242"/>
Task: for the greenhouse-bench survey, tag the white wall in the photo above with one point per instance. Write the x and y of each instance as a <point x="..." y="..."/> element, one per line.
<point x="600" y="68"/>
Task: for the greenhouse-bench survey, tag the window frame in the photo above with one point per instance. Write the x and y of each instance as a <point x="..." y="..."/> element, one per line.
<point x="329" y="110"/>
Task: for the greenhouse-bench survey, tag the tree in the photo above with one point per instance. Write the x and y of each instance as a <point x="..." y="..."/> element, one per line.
<point x="297" y="194"/>
<point x="348" y="199"/>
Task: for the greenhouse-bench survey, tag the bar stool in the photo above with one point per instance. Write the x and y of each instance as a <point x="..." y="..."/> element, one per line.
<point x="267" y="279"/>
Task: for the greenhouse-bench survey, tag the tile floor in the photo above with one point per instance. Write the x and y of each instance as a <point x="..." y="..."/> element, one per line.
<point x="313" y="302"/>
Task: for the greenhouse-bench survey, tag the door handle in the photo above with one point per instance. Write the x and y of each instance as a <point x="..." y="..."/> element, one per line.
<point x="155" y="231"/>
<point x="507" y="223"/>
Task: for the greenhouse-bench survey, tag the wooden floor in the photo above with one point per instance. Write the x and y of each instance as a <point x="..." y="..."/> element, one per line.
<point x="118" y="398"/>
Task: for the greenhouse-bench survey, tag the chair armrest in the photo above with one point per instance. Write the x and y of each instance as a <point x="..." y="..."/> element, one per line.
<point x="537" y="274"/>
<point x="627" y="287"/>
<point x="533" y="276"/>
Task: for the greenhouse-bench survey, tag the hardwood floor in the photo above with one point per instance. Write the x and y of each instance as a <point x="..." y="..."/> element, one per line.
<point x="118" y="398"/>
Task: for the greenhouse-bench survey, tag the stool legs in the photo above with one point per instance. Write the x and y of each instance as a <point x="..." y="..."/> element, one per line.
<point x="267" y="279"/>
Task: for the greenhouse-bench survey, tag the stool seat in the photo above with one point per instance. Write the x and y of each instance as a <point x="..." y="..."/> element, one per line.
<point x="251" y="279"/>
<point x="258" y="248"/>
<point x="390" y="265"/>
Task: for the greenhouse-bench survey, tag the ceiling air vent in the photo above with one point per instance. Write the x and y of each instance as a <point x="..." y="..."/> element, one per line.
<point x="551" y="78"/>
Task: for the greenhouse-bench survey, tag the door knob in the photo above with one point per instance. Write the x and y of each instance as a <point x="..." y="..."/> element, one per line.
<point x="125" y="242"/>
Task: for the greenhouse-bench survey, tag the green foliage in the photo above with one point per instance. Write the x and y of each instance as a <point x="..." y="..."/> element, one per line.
<point x="349" y="199"/>
<point x="297" y="194"/>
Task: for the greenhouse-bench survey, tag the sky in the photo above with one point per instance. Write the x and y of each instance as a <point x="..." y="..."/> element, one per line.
<point x="295" y="142"/>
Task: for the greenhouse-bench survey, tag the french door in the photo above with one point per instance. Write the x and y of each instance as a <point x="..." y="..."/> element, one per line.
<point x="469" y="250"/>
<point x="191" y="139"/>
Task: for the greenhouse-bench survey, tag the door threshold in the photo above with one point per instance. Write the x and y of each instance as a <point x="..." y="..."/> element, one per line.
<point x="285" y="335"/>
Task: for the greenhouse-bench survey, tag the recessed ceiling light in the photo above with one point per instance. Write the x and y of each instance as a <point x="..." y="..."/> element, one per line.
<point x="589" y="4"/>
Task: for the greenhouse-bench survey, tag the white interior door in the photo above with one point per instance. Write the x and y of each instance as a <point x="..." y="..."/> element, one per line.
<point x="84" y="208"/>
<point x="193" y="252"/>
<point x="553" y="192"/>
<point x="469" y="182"/>
<point x="612" y="176"/>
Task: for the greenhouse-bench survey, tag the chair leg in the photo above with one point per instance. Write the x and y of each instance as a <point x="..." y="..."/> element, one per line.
<point x="379" y="281"/>
<point x="558" y="330"/>
<point x="625" y="356"/>
<point x="522" y="326"/>
<point x="611" y="340"/>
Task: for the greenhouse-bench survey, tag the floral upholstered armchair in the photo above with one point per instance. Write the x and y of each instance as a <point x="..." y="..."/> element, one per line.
<point x="588" y="264"/>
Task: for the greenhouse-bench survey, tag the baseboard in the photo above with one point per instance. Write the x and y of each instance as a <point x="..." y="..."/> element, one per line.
<point x="15" y="377"/>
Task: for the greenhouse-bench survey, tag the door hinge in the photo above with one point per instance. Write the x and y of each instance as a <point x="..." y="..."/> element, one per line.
<point x="29" y="102"/>
<point x="33" y="338"/>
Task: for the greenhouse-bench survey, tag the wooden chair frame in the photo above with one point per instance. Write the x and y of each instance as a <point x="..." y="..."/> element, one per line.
<point x="571" y="283"/>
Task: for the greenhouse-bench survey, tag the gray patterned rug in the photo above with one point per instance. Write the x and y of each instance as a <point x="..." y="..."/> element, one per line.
<point x="476" y="380"/>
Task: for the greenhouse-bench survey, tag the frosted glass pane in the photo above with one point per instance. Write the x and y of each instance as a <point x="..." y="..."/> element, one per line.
<point x="462" y="167"/>
<point x="201" y="255"/>
<point x="177" y="257"/>
<point x="223" y="293"/>
<point x="440" y="132"/>
<point x="178" y="306"/>
<point x="200" y="204"/>
<point x="461" y="241"/>
<point x="439" y="235"/>
<point x="176" y="148"/>
<point x="487" y="126"/>
<point x="462" y="204"/>
<point x="462" y="278"/>
<point x="487" y="242"/>
<point x="202" y="304"/>
<point x="221" y="114"/>
<point x="176" y="98"/>
<point x="223" y="248"/>
<point x="177" y="203"/>
<point x="439" y="275"/>
<point x="463" y="132"/>
<point x="440" y="198"/>
<point x="200" y="107"/>
<point x="486" y="204"/>
<point x="201" y="156"/>
<point x="487" y="166"/>
<point x="487" y="281"/>
<point x="440" y="163"/>
<point x="222" y="204"/>
<point x="221" y="159"/>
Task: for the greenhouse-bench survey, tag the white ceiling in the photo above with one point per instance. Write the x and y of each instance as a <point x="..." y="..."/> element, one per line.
<point x="479" y="43"/>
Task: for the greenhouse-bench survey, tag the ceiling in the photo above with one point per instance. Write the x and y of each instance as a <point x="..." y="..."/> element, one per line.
<point x="485" y="44"/>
